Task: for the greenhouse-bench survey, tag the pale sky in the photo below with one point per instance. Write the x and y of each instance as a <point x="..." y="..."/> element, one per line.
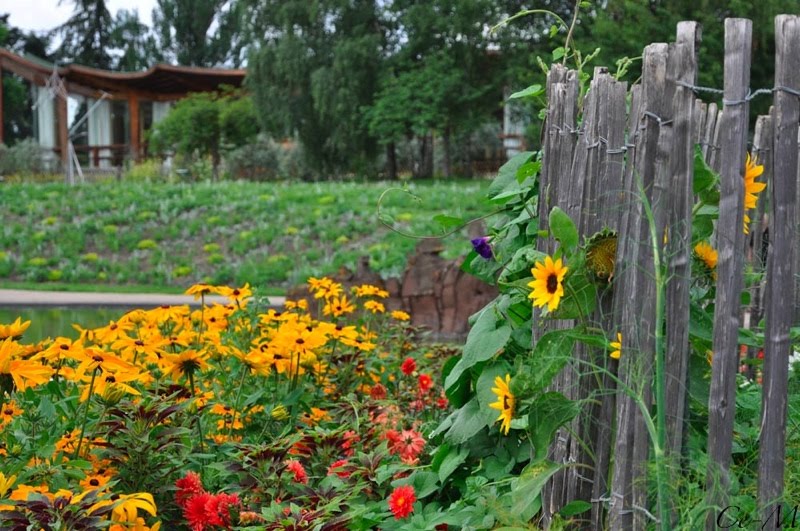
<point x="39" y="15"/>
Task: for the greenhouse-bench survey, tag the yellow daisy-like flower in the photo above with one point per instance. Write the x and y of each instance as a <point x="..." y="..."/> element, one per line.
<point x="617" y="346"/>
<point x="505" y="402"/>
<point x="707" y="254"/>
<point x="14" y="330"/>
<point x="374" y="307"/>
<point x="548" y="283"/>
<point x="338" y="306"/>
<point x="400" y="315"/>
<point x="751" y="188"/>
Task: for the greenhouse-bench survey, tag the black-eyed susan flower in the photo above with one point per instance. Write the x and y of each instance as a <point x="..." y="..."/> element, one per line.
<point x="185" y="364"/>
<point x="707" y="254"/>
<point x="400" y="315"/>
<point x="338" y="306"/>
<point x="616" y="347"/>
<point x="23" y="373"/>
<point x="751" y="188"/>
<point x="548" y="283"/>
<point x="505" y="402"/>
<point x="14" y="330"/>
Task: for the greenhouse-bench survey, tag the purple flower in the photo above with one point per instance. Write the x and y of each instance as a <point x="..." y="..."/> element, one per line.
<point x="482" y="247"/>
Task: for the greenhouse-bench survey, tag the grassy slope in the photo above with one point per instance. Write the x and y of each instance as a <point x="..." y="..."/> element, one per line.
<point x="168" y="236"/>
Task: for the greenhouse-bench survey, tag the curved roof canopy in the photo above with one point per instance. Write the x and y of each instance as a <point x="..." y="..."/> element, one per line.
<point x="157" y="82"/>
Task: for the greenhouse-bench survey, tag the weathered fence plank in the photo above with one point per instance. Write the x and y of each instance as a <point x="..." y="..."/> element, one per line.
<point x="629" y="489"/>
<point x="680" y="234"/>
<point x="730" y="241"/>
<point x="780" y="268"/>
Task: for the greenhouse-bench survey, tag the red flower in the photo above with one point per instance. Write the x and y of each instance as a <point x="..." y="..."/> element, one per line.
<point x="393" y="436"/>
<point x="218" y="509"/>
<point x="425" y="383"/>
<point x="760" y="354"/>
<point x="188" y="486"/>
<point x="408" y="446"/>
<point x="337" y="467"/>
<point x="401" y="501"/>
<point x="294" y="466"/>
<point x="350" y="437"/>
<point x="195" y="511"/>
<point x="378" y="392"/>
<point x="442" y="402"/>
<point x="408" y="366"/>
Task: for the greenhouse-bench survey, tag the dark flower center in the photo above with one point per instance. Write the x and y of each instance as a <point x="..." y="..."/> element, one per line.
<point x="505" y="402"/>
<point x="94" y="482"/>
<point x="300" y="341"/>
<point x="8" y="412"/>
<point x="139" y="343"/>
<point x="552" y="284"/>
<point x="110" y="379"/>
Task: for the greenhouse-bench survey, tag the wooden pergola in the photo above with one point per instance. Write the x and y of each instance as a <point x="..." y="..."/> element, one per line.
<point x="160" y="83"/>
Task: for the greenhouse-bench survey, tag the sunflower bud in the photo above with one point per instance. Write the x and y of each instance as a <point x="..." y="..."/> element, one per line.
<point x="279" y="412"/>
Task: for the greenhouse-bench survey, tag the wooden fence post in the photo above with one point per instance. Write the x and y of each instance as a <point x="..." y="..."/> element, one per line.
<point x="730" y="241"/>
<point x="636" y="318"/>
<point x="780" y="269"/>
<point x="681" y="169"/>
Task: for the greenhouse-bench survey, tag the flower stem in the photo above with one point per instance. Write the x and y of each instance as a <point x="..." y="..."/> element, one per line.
<point x="238" y="396"/>
<point x="85" y="414"/>
<point x="199" y="423"/>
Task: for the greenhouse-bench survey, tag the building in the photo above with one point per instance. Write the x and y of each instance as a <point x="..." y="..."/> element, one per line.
<point x="104" y="114"/>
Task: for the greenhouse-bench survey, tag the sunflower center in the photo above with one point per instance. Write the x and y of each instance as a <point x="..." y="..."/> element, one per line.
<point x="552" y="284"/>
<point x="505" y="403"/>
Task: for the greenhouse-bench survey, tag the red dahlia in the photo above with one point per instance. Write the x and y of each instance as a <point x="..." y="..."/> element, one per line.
<point x="401" y="501"/>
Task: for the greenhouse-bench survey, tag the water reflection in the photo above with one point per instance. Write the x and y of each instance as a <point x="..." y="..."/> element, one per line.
<point x="55" y="322"/>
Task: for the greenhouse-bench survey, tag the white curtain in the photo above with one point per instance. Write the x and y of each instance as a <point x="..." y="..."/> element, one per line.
<point x="160" y="110"/>
<point x="46" y="125"/>
<point x="45" y="118"/>
<point x="100" y="131"/>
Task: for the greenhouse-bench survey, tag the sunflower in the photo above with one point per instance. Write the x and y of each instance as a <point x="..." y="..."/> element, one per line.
<point x="617" y="346"/>
<point x="548" y="283"/>
<point x="751" y="188"/>
<point x="601" y="252"/>
<point x="505" y="402"/>
<point x="707" y="254"/>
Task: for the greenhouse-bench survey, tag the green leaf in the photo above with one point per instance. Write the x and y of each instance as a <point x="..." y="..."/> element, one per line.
<point x="486" y="338"/>
<point x="448" y="222"/>
<point x="467" y="421"/>
<point x="506" y="179"/>
<point x="530" y="92"/>
<point x="553" y="31"/>
<point x="563" y="228"/>
<point x="549" y="355"/>
<point x="423" y="481"/>
<point x="580" y="298"/>
<point x="528" y="487"/>
<point x="528" y="170"/>
<point x="558" y="53"/>
<point x="522" y="261"/>
<point x="451" y="462"/>
<point x="704" y="177"/>
<point x="574" y="507"/>
<point x="548" y="413"/>
<point x="457" y="394"/>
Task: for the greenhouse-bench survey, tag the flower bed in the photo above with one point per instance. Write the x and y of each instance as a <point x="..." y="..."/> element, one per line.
<point x="223" y="417"/>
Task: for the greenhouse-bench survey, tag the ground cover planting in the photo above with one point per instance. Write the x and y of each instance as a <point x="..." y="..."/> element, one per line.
<point x="267" y="234"/>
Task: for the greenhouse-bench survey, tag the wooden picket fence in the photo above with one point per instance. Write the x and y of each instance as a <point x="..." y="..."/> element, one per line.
<point x="599" y="156"/>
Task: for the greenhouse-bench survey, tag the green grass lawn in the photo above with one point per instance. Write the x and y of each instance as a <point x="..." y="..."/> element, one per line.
<point x="169" y="236"/>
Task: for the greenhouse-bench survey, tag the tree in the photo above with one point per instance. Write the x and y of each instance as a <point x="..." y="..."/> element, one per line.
<point x="315" y="73"/>
<point x="17" y="118"/>
<point x="135" y="41"/>
<point x="204" y="125"/>
<point x="184" y="29"/>
<point x="86" y="36"/>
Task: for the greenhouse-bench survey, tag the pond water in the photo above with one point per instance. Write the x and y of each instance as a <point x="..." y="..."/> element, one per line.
<point x="55" y="322"/>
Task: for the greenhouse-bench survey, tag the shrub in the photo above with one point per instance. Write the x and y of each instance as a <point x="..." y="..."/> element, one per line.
<point x="146" y="171"/>
<point x="25" y="157"/>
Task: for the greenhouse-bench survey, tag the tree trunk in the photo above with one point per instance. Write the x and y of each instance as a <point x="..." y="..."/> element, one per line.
<point x="446" y="143"/>
<point x="391" y="161"/>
